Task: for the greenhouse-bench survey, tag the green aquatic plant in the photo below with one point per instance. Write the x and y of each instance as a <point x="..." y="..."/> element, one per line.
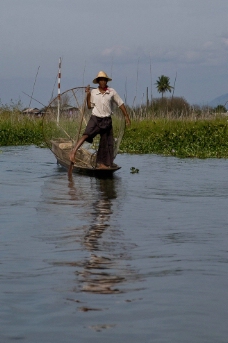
<point x="134" y="170"/>
<point x="19" y="129"/>
<point x="202" y="139"/>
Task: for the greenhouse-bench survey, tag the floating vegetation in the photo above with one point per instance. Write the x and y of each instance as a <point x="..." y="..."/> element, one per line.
<point x="180" y="138"/>
<point x="201" y="137"/>
<point x="134" y="170"/>
<point x="19" y="129"/>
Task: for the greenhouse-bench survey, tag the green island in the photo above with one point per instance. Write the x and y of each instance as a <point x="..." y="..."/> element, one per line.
<point x="167" y="126"/>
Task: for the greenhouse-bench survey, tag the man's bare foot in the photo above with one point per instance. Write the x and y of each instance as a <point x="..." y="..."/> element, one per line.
<point x="102" y="166"/>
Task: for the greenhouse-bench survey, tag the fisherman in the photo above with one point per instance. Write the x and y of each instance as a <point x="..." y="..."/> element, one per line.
<point x="101" y="101"/>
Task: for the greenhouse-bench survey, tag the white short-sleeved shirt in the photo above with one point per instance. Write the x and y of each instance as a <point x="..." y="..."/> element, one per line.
<point x="102" y="104"/>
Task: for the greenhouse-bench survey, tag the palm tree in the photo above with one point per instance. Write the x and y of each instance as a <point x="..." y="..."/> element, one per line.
<point x="163" y="85"/>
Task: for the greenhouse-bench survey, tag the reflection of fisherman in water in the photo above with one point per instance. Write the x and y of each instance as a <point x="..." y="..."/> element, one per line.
<point x="97" y="276"/>
<point x="103" y="271"/>
<point x="102" y="211"/>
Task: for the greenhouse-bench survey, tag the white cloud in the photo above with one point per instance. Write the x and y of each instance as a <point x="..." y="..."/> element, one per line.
<point x="115" y="51"/>
<point x="225" y="41"/>
<point x="207" y="45"/>
<point x="192" y="57"/>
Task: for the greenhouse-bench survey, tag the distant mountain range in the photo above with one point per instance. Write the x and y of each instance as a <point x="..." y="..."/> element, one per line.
<point x="221" y="100"/>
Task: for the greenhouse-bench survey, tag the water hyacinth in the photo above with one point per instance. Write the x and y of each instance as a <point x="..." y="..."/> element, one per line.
<point x="134" y="170"/>
<point x="19" y="129"/>
<point x="202" y="138"/>
<point x="187" y="136"/>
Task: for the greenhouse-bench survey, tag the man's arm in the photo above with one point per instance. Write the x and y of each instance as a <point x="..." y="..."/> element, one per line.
<point x="88" y="97"/>
<point x="124" y="111"/>
<point x="121" y="105"/>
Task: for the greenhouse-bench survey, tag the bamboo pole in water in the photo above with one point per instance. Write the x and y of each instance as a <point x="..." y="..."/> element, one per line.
<point x="59" y="79"/>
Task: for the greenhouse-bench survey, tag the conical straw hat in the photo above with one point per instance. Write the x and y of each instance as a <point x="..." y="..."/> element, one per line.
<point x="101" y="74"/>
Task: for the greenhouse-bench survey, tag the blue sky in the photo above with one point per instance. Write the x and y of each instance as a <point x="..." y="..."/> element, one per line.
<point x="134" y="41"/>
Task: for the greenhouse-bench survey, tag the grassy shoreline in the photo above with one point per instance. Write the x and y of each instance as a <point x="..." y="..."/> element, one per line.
<point x="18" y="129"/>
<point x="180" y="138"/>
<point x="200" y="138"/>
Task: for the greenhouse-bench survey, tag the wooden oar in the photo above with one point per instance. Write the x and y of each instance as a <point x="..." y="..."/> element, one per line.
<point x="70" y="170"/>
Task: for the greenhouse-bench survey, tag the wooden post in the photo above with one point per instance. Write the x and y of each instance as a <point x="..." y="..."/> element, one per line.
<point x="147" y="97"/>
<point x="59" y="78"/>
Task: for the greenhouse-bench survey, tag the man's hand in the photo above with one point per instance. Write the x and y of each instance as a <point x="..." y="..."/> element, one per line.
<point x="124" y="111"/>
<point x="88" y="96"/>
<point x="128" y="121"/>
<point x="87" y="90"/>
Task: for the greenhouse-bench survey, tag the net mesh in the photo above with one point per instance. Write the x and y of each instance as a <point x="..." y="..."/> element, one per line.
<point x="65" y="120"/>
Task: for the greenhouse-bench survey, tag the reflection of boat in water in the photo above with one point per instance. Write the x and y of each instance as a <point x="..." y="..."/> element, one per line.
<point x="64" y="120"/>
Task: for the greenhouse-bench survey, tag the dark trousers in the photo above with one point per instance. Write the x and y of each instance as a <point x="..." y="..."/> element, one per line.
<point x="102" y="126"/>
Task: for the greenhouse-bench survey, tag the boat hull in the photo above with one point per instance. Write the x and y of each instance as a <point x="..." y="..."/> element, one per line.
<point x="85" y="161"/>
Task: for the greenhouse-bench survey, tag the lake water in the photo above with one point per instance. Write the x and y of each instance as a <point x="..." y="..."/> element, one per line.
<point x="136" y="258"/>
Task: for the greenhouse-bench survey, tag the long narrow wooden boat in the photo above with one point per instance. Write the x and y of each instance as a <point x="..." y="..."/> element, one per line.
<point x="85" y="161"/>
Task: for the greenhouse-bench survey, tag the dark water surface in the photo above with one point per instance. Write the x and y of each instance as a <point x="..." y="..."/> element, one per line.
<point x="137" y="258"/>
